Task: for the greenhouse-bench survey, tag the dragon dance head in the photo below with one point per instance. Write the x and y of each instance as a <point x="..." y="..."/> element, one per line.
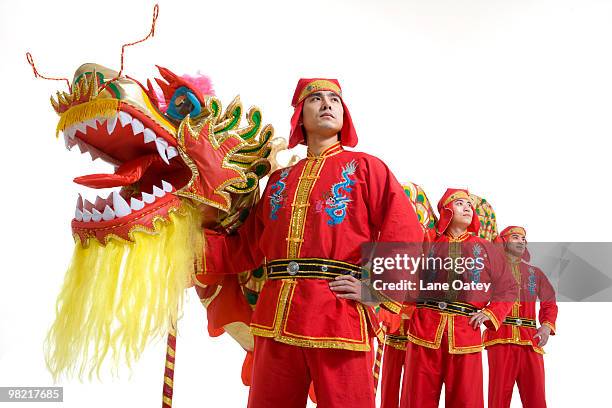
<point x="165" y="144"/>
<point x="181" y="163"/>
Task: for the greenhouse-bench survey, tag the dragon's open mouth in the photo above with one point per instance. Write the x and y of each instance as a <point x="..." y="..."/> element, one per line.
<point x="146" y="160"/>
<point x="167" y="144"/>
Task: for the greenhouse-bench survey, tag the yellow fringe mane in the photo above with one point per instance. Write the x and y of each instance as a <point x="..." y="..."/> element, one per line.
<point x="85" y="111"/>
<point x="118" y="297"/>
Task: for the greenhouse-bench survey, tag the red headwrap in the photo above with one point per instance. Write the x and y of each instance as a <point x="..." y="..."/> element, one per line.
<point x="445" y="208"/>
<point x="513" y="229"/>
<point x="307" y="86"/>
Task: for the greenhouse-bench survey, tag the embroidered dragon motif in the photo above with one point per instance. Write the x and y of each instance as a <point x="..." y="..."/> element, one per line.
<point x="277" y="197"/>
<point x="531" y="285"/>
<point x="477" y="250"/>
<point x="337" y="202"/>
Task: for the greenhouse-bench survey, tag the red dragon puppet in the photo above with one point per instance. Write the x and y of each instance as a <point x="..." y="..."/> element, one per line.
<point x="181" y="163"/>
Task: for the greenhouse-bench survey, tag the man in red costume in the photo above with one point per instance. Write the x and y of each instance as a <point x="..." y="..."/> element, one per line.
<point x="515" y="350"/>
<point x="310" y="322"/>
<point x="445" y="341"/>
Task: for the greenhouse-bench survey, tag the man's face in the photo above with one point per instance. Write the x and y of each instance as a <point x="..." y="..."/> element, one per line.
<point x="323" y="114"/>
<point x="516" y="244"/>
<point x="462" y="213"/>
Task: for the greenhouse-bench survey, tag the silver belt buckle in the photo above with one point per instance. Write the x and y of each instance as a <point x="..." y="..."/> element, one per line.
<point x="442" y="305"/>
<point x="293" y="268"/>
<point x="519" y="322"/>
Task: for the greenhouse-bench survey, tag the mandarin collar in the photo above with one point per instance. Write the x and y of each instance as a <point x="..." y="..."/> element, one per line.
<point x="329" y="151"/>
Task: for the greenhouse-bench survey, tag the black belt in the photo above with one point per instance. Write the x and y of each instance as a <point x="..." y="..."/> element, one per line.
<point x="396" y="338"/>
<point x="317" y="268"/>
<point x="459" y="308"/>
<point x="520" y="322"/>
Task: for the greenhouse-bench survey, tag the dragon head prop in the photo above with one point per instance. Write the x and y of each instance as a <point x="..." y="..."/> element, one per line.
<point x="165" y="146"/>
<point x="181" y="163"/>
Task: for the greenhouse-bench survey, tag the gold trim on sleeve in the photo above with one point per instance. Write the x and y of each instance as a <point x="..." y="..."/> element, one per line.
<point x="492" y="317"/>
<point x="551" y="326"/>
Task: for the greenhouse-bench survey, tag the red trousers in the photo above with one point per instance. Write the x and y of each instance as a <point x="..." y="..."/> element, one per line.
<point x="427" y="369"/>
<point x="282" y="374"/>
<point x="510" y="363"/>
<point x="391" y="378"/>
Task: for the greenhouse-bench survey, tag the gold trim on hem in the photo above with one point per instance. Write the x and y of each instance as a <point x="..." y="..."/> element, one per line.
<point x="312" y="343"/>
<point x="452" y="349"/>
<point x="363" y="325"/>
<point x="494" y="342"/>
<point x="278" y="329"/>
<point x="438" y="339"/>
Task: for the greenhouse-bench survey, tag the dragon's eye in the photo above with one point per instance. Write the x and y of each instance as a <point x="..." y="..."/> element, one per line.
<point x="183" y="103"/>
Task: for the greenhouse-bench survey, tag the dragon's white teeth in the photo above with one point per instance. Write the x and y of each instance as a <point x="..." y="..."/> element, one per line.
<point x="82" y="146"/>
<point x="136" y="204"/>
<point x="81" y="127"/>
<point x="96" y="215"/>
<point x="158" y="192"/>
<point x="110" y="124"/>
<point x="148" y="198"/>
<point x="122" y="208"/>
<point x="69" y="142"/>
<point x="87" y="216"/>
<point x="70" y="132"/>
<point x="171" y="152"/>
<point x="94" y="154"/>
<point x="162" y="145"/>
<point x="87" y="205"/>
<point x="92" y="123"/>
<point x="149" y="135"/>
<point x="108" y="214"/>
<point x="124" y="118"/>
<point x="137" y="126"/>
<point x="79" y="203"/>
<point x="166" y="186"/>
<point x="100" y="203"/>
<point x="101" y="120"/>
<point x="78" y="215"/>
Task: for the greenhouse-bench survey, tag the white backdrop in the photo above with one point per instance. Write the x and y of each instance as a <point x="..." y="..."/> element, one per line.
<point x="509" y="98"/>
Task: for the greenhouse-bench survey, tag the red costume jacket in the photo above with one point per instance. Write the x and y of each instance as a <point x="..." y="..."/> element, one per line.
<point x="533" y="285"/>
<point x="427" y="325"/>
<point x="324" y="206"/>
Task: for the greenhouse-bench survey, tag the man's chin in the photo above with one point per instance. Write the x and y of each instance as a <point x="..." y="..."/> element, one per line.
<point x="328" y="131"/>
<point x="330" y="125"/>
<point x="518" y="254"/>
